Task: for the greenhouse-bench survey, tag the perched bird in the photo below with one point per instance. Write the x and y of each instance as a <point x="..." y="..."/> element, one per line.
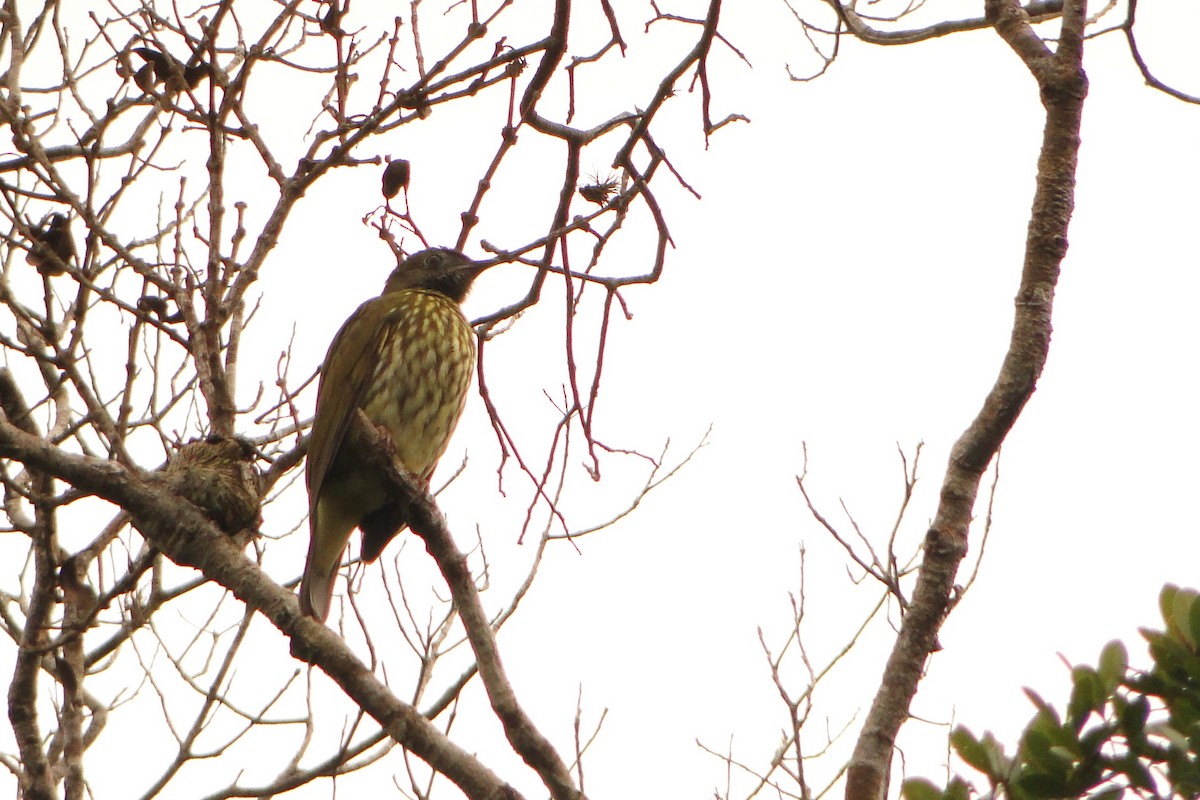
<point x="50" y="240"/>
<point x="217" y="474"/>
<point x="405" y="358"/>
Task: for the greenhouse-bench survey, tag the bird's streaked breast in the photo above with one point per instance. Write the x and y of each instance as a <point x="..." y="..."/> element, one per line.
<point x="422" y="375"/>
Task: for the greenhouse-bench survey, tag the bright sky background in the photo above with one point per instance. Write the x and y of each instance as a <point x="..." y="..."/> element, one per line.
<point x="846" y="282"/>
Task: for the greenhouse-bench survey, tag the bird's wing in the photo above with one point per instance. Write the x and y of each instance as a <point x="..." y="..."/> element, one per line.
<point x="349" y="365"/>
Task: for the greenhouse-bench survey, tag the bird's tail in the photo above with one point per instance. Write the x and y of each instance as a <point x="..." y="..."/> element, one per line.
<point x="328" y="534"/>
<point x="316" y="591"/>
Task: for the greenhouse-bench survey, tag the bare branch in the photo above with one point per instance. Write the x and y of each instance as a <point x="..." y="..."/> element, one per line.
<point x="1063" y="86"/>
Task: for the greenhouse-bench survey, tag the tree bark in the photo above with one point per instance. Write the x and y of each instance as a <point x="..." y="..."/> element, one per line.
<point x="1063" y="86"/>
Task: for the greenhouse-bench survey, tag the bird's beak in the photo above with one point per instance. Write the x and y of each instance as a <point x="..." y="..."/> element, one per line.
<point x="476" y="268"/>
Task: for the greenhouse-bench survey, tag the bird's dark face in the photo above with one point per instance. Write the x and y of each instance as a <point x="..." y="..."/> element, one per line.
<point x="439" y="269"/>
<point x="57" y="222"/>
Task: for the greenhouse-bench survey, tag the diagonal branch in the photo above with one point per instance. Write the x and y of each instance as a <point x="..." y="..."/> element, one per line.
<point x="427" y="521"/>
<point x="184" y="534"/>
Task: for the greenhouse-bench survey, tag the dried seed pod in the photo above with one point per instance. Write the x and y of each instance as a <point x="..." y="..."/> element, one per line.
<point x="53" y="247"/>
<point x="331" y="20"/>
<point x="158" y="307"/>
<point x="395" y="177"/>
<point x="219" y="476"/>
<point x="598" y="192"/>
<point x="165" y="69"/>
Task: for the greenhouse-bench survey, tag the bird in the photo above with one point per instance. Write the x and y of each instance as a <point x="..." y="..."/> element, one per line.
<point x="53" y="247"/>
<point x="405" y="359"/>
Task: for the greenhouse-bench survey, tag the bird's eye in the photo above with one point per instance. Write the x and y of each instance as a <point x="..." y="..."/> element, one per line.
<point x="434" y="260"/>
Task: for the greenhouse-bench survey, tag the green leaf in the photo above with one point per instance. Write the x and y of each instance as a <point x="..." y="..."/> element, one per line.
<point x="1044" y="708"/>
<point x="1166" y="602"/>
<point x="1194" y="622"/>
<point x="1192" y="680"/>
<point x="1064" y="755"/>
<point x="1095" y="738"/>
<point x="1114" y="663"/>
<point x="970" y="750"/>
<point x="1171" y="658"/>
<point x="1040" y="784"/>
<point x="1150" y="634"/>
<point x="1184" y="775"/>
<point x="1046" y="723"/>
<point x="1001" y="765"/>
<point x="1035" y="749"/>
<point x="1176" y="739"/>
<point x="1087" y="695"/>
<point x="1185" y="616"/>
<point x="1132" y="716"/>
<point x="1138" y="774"/>
<point x="920" y="789"/>
<point x="958" y="789"/>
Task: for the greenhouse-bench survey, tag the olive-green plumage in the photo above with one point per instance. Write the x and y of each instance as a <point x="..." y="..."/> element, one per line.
<point x="405" y="358"/>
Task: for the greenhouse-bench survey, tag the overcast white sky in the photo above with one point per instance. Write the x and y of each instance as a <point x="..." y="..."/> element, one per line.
<point x="846" y="281"/>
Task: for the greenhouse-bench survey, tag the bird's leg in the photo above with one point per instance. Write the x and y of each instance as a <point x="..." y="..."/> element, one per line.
<point x="377" y="436"/>
<point x="379" y="446"/>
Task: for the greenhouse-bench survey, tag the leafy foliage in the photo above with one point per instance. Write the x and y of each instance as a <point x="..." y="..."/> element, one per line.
<point x="1123" y="731"/>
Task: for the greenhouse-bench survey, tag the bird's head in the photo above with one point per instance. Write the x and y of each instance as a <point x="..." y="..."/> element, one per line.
<point x="439" y="269"/>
